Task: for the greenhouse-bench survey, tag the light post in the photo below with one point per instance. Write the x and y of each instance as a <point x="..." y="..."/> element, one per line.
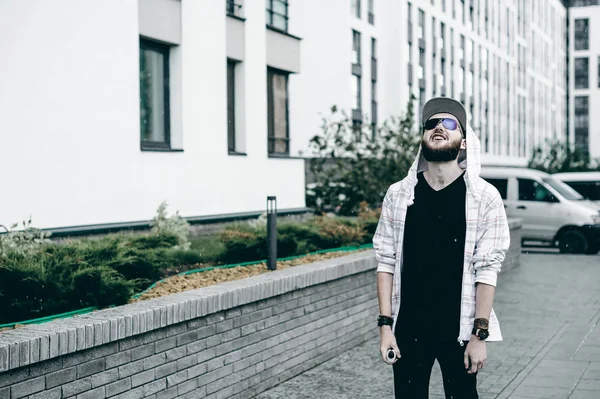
<point x="272" y="232"/>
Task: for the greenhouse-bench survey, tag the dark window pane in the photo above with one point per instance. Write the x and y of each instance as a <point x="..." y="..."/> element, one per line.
<point x="589" y="189"/>
<point x="355" y="47"/>
<point x="277" y="14"/>
<point x="581" y="73"/>
<point x="154" y="91"/>
<point x="501" y="185"/>
<point x="277" y="96"/>
<point x="531" y="190"/>
<point x="231" y="105"/>
<point x="582" y="34"/>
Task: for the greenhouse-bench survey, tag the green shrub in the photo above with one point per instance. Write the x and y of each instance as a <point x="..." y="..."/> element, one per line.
<point x="101" y="287"/>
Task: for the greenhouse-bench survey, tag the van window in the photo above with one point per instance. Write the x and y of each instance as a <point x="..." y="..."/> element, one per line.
<point x="531" y="190"/>
<point x="501" y="185"/>
<point x="563" y="189"/>
<point x="589" y="189"/>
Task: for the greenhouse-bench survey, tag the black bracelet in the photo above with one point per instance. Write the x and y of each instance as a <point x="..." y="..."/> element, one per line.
<point x="385" y="321"/>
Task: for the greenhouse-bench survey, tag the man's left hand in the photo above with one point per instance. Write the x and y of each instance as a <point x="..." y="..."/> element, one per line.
<point x="477" y="352"/>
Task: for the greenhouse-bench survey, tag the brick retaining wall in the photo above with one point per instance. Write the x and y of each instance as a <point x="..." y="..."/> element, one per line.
<point x="233" y="340"/>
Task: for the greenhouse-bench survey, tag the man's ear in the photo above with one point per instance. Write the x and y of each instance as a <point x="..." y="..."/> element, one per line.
<point x="463" y="144"/>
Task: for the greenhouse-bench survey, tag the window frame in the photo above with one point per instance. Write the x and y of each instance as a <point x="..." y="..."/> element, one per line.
<point x="165" y="50"/>
<point x="580" y="35"/>
<point x="546" y="199"/>
<point x="270" y="12"/>
<point x="578" y="73"/>
<point x="271" y="138"/>
<point x="231" y="114"/>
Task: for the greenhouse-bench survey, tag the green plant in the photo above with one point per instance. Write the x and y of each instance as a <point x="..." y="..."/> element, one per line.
<point x="351" y="165"/>
<point x="23" y="241"/>
<point x="174" y="225"/>
<point x="558" y="157"/>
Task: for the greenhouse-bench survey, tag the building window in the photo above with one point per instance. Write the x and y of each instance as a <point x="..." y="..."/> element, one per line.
<point x="583" y="3"/>
<point x="374" y="85"/>
<point x="599" y="71"/>
<point x="582" y="123"/>
<point x="471" y="16"/>
<point x="356" y="95"/>
<point x="231" y="105"/>
<point x="356" y="78"/>
<point x="154" y="95"/>
<point x="442" y="38"/>
<point x="233" y="8"/>
<point x="421" y="63"/>
<point x="434" y="83"/>
<point x="278" y="115"/>
<point x="277" y="14"/>
<point x="461" y="53"/>
<point x="582" y="34"/>
<point x="421" y="24"/>
<point x="355" y="5"/>
<point x="371" y="7"/>
<point x="581" y="73"/>
<point x="355" y="47"/>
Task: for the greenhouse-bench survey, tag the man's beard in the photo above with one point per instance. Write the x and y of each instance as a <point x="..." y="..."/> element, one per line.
<point x="446" y="153"/>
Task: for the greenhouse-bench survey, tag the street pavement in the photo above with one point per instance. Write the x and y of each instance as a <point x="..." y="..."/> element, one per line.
<point x="549" y="310"/>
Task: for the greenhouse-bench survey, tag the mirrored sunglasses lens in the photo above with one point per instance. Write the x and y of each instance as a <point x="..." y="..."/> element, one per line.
<point x="449" y="124"/>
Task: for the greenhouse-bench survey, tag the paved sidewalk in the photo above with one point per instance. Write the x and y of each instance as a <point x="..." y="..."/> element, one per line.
<point x="549" y="309"/>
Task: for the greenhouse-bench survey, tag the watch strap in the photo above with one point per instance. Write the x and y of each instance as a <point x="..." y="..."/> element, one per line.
<point x="385" y="321"/>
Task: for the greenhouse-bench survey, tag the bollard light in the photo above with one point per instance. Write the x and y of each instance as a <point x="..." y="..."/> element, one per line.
<point x="272" y="232"/>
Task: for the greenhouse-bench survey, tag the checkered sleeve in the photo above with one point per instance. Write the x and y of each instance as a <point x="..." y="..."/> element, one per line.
<point x="493" y="240"/>
<point x="383" y="240"/>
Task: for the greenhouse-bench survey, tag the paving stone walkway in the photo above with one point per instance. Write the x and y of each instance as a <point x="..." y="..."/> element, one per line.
<point x="549" y="310"/>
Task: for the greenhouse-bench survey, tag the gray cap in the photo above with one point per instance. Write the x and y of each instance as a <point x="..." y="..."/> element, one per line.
<point x="447" y="105"/>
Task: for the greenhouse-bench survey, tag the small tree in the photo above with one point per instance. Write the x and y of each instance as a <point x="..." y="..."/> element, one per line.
<point x="174" y="224"/>
<point x="559" y="158"/>
<point x="351" y="164"/>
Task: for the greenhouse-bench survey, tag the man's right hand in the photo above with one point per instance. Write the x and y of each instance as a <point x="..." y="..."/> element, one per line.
<point x="387" y="340"/>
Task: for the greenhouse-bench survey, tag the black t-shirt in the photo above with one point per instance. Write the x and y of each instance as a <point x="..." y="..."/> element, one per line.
<point x="433" y="256"/>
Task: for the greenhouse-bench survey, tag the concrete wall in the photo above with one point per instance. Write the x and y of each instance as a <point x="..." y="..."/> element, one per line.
<point x="70" y="119"/>
<point x="231" y="340"/>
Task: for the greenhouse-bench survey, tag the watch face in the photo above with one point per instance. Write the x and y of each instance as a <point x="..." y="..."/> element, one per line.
<point x="483" y="334"/>
<point x="482" y="323"/>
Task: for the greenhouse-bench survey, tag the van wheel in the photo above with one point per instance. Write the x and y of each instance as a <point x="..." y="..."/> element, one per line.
<point x="573" y="242"/>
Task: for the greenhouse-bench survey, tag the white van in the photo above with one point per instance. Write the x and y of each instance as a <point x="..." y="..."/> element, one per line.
<point x="551" y="211"/>
<point x="585" y="183"/>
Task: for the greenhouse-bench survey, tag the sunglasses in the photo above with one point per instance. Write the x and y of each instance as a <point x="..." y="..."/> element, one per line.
<point x="448" y="123"/>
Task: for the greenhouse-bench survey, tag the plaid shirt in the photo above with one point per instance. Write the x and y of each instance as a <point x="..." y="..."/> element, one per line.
<point x="486" y="242"/>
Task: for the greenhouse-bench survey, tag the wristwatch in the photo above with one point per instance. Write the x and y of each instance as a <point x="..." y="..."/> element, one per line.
<point x="385" y="321"/>
<point x="481" y="323"/>
<point x="481" y="333"/>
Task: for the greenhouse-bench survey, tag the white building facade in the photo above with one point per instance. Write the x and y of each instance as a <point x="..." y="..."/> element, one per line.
<point x="504" y="59"/>
<point x="584" y="87"/>
<point x="109" y="107"/>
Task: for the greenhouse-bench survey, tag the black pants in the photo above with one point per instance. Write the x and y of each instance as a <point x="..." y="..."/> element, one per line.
<point x="413" y="370"/>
